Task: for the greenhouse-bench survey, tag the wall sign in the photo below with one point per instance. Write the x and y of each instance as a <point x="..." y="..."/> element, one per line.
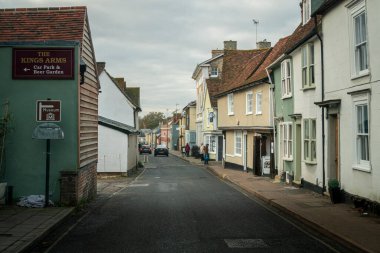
<point x="48" y="111"/>
<point x="43" y="63"/>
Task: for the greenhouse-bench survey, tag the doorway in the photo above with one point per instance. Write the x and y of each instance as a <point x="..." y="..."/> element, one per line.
<point x="333" y="148"/>
<point x="298" y="174"/>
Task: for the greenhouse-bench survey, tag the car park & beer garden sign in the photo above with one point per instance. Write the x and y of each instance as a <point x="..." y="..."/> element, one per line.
<point x="43" y="63"/>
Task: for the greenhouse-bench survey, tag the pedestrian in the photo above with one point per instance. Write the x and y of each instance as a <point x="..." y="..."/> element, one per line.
<point x="206" y="154"/>
<point x="202" y="151"/>
<point x="187" y="149"/>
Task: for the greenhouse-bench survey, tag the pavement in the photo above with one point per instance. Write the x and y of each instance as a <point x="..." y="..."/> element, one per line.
<point x="341" y="222"/>
<point x="21" y="228"/>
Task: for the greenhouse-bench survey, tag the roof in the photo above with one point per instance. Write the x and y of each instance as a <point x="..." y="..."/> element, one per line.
<point x="238" y="65"/>
<point x="42" y="24"/>
<point x="274" y="53"/>
<point x="301" y="35"/>
<point x="191" y="104"/>
<point x="117" y="126"/>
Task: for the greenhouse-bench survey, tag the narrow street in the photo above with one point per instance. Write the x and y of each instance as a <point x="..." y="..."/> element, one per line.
<point x="177" y="207"/>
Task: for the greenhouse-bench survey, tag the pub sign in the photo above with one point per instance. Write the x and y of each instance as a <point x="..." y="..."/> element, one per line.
<point x="43" y="63"/>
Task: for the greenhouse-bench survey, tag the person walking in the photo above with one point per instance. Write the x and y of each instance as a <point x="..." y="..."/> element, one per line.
<point x="202" y="151"/>
<point x="206" y="154"/>
<point x="187" y="149"/>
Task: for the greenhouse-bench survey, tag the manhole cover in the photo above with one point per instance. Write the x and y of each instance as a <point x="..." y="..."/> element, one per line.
<point x="246" y="243"/>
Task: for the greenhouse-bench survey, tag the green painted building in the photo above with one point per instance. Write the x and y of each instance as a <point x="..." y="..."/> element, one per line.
<point x="47" y="54"/>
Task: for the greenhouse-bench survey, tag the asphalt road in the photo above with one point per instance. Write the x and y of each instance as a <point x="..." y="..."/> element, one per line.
<point x="176" y="207"/>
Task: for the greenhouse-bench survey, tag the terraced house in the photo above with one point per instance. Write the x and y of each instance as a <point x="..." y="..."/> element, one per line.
<point x="244" y="113"/>
<point x="47" y="55"/>
<point x="350" y="101"/>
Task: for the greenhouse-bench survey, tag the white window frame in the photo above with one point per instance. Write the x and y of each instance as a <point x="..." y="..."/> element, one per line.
<point x="287" y="140"/>
<point x="211" y="141"/>
<point x="310" y="140"/>
<point x="307" y="66"/>
<point x="249" y="103"/>
<point x="259" y="103"/>
<point x="230" y="104"/>
<point x="357" y="10"/>
<point x="306" y="11"/>
<point x="214" y="72"/>
<point x="238" y="143"/>
<point x="286" y="77"/>
<point x="359" y="101"/>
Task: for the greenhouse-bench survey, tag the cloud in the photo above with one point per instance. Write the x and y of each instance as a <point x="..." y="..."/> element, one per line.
<point x="156" y="44"/>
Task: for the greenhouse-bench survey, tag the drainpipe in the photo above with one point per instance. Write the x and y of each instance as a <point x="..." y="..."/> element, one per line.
<point x="272" y="104"/>
<point x="323" y="109"/>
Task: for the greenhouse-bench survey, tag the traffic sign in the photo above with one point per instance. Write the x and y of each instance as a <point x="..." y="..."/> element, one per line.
<point x="48" y="111"/>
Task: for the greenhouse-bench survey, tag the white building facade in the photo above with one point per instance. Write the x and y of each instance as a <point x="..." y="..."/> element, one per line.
<point x="351" y="101"/>
<point x="118" y="130"/>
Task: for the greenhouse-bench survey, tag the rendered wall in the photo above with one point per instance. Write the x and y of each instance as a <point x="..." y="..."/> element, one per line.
<point x="25" y="157"/>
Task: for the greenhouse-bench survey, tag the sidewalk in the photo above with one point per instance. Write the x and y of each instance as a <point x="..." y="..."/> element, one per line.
<point x="20" y="227"/>
<point x="338" y="221"/>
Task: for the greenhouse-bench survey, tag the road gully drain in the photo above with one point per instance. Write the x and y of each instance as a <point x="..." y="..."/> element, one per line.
<point x="246" y="243"/>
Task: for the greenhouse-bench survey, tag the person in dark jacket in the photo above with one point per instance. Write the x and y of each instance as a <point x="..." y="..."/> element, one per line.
<point x="206" y="154"/>
<point x="187" y="149"/>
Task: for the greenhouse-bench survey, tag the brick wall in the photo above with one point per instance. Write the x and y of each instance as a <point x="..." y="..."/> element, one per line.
<point x="78" y="185"/>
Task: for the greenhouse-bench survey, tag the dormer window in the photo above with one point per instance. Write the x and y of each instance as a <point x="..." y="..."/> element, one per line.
<point x="306" y="10"/>
<point x="214" y="72"/>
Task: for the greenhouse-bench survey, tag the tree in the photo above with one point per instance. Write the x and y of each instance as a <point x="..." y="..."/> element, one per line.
<point x="152" y="120"/>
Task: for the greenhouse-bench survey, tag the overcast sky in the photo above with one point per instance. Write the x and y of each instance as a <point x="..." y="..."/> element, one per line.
<point x="156" y="44"/>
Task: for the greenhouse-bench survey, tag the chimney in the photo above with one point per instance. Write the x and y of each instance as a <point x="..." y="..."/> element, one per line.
<point x="230" y="45"/>
<point x="100" y="67"/>
<point x="263" y="44"/>
<point x="121" y="83"/>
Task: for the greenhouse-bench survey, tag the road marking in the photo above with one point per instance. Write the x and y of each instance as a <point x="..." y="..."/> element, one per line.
<point x="246" y="243"/>
<point x="138" y="185"/>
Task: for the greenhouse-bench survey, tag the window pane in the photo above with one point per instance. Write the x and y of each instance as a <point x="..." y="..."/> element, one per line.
<point x="313" y="151"/>
<point x="290" y="132"/>
<point x="306" y="149"/>
<point x="311" y="74"/>
<point x="306" y="129"/>
<point x="288" y="68"/>
<point x="304" y="76"/>
<point x="313" y="129"/>
<point x="311" y="53"/>
<point x="290" y="148"/>
<point x="363" y="148"/>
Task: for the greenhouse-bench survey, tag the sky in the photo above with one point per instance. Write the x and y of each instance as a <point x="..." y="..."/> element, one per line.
<point x="157" y="44"/>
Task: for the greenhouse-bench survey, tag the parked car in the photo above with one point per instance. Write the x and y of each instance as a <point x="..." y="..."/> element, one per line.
<point x="161" y="150"/>
<point x="145" y="149"/>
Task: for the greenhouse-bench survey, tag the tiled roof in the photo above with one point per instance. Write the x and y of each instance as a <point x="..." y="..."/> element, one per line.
<point x="283" y="46"/>
<point x="275" y="52"/>
<point x="213" y="86"/>
<point x="238" y="65"/>
<point x="42" y="24"/>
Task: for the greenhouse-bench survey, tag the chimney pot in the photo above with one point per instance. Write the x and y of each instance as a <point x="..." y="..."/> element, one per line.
<point x="230" y="45"/>
<point x="263" y="44"/>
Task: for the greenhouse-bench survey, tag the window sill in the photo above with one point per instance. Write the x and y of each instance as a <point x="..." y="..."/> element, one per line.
<point x="237" y="155"/>
<point x="310" y="162"/>
<point x="248" y="113"/>
<point x="360" y="75"/>
<point x="231" y="114"/>
<point x="362" y="168"/>
<point x="308" y="88"/>
<point x="287" y="159"/>
<point x="286" y="97"/>
<point x="259" y="113"/>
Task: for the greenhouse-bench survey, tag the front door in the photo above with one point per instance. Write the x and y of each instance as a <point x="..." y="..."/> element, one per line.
<point x="256" y="155"/>
<point x="297" y="176"/>
<point x="333" y="147"/>
<point x="220" y="148"/>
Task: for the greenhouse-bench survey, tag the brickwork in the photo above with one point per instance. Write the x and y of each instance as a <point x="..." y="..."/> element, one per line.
<point x="78" y="185"/>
